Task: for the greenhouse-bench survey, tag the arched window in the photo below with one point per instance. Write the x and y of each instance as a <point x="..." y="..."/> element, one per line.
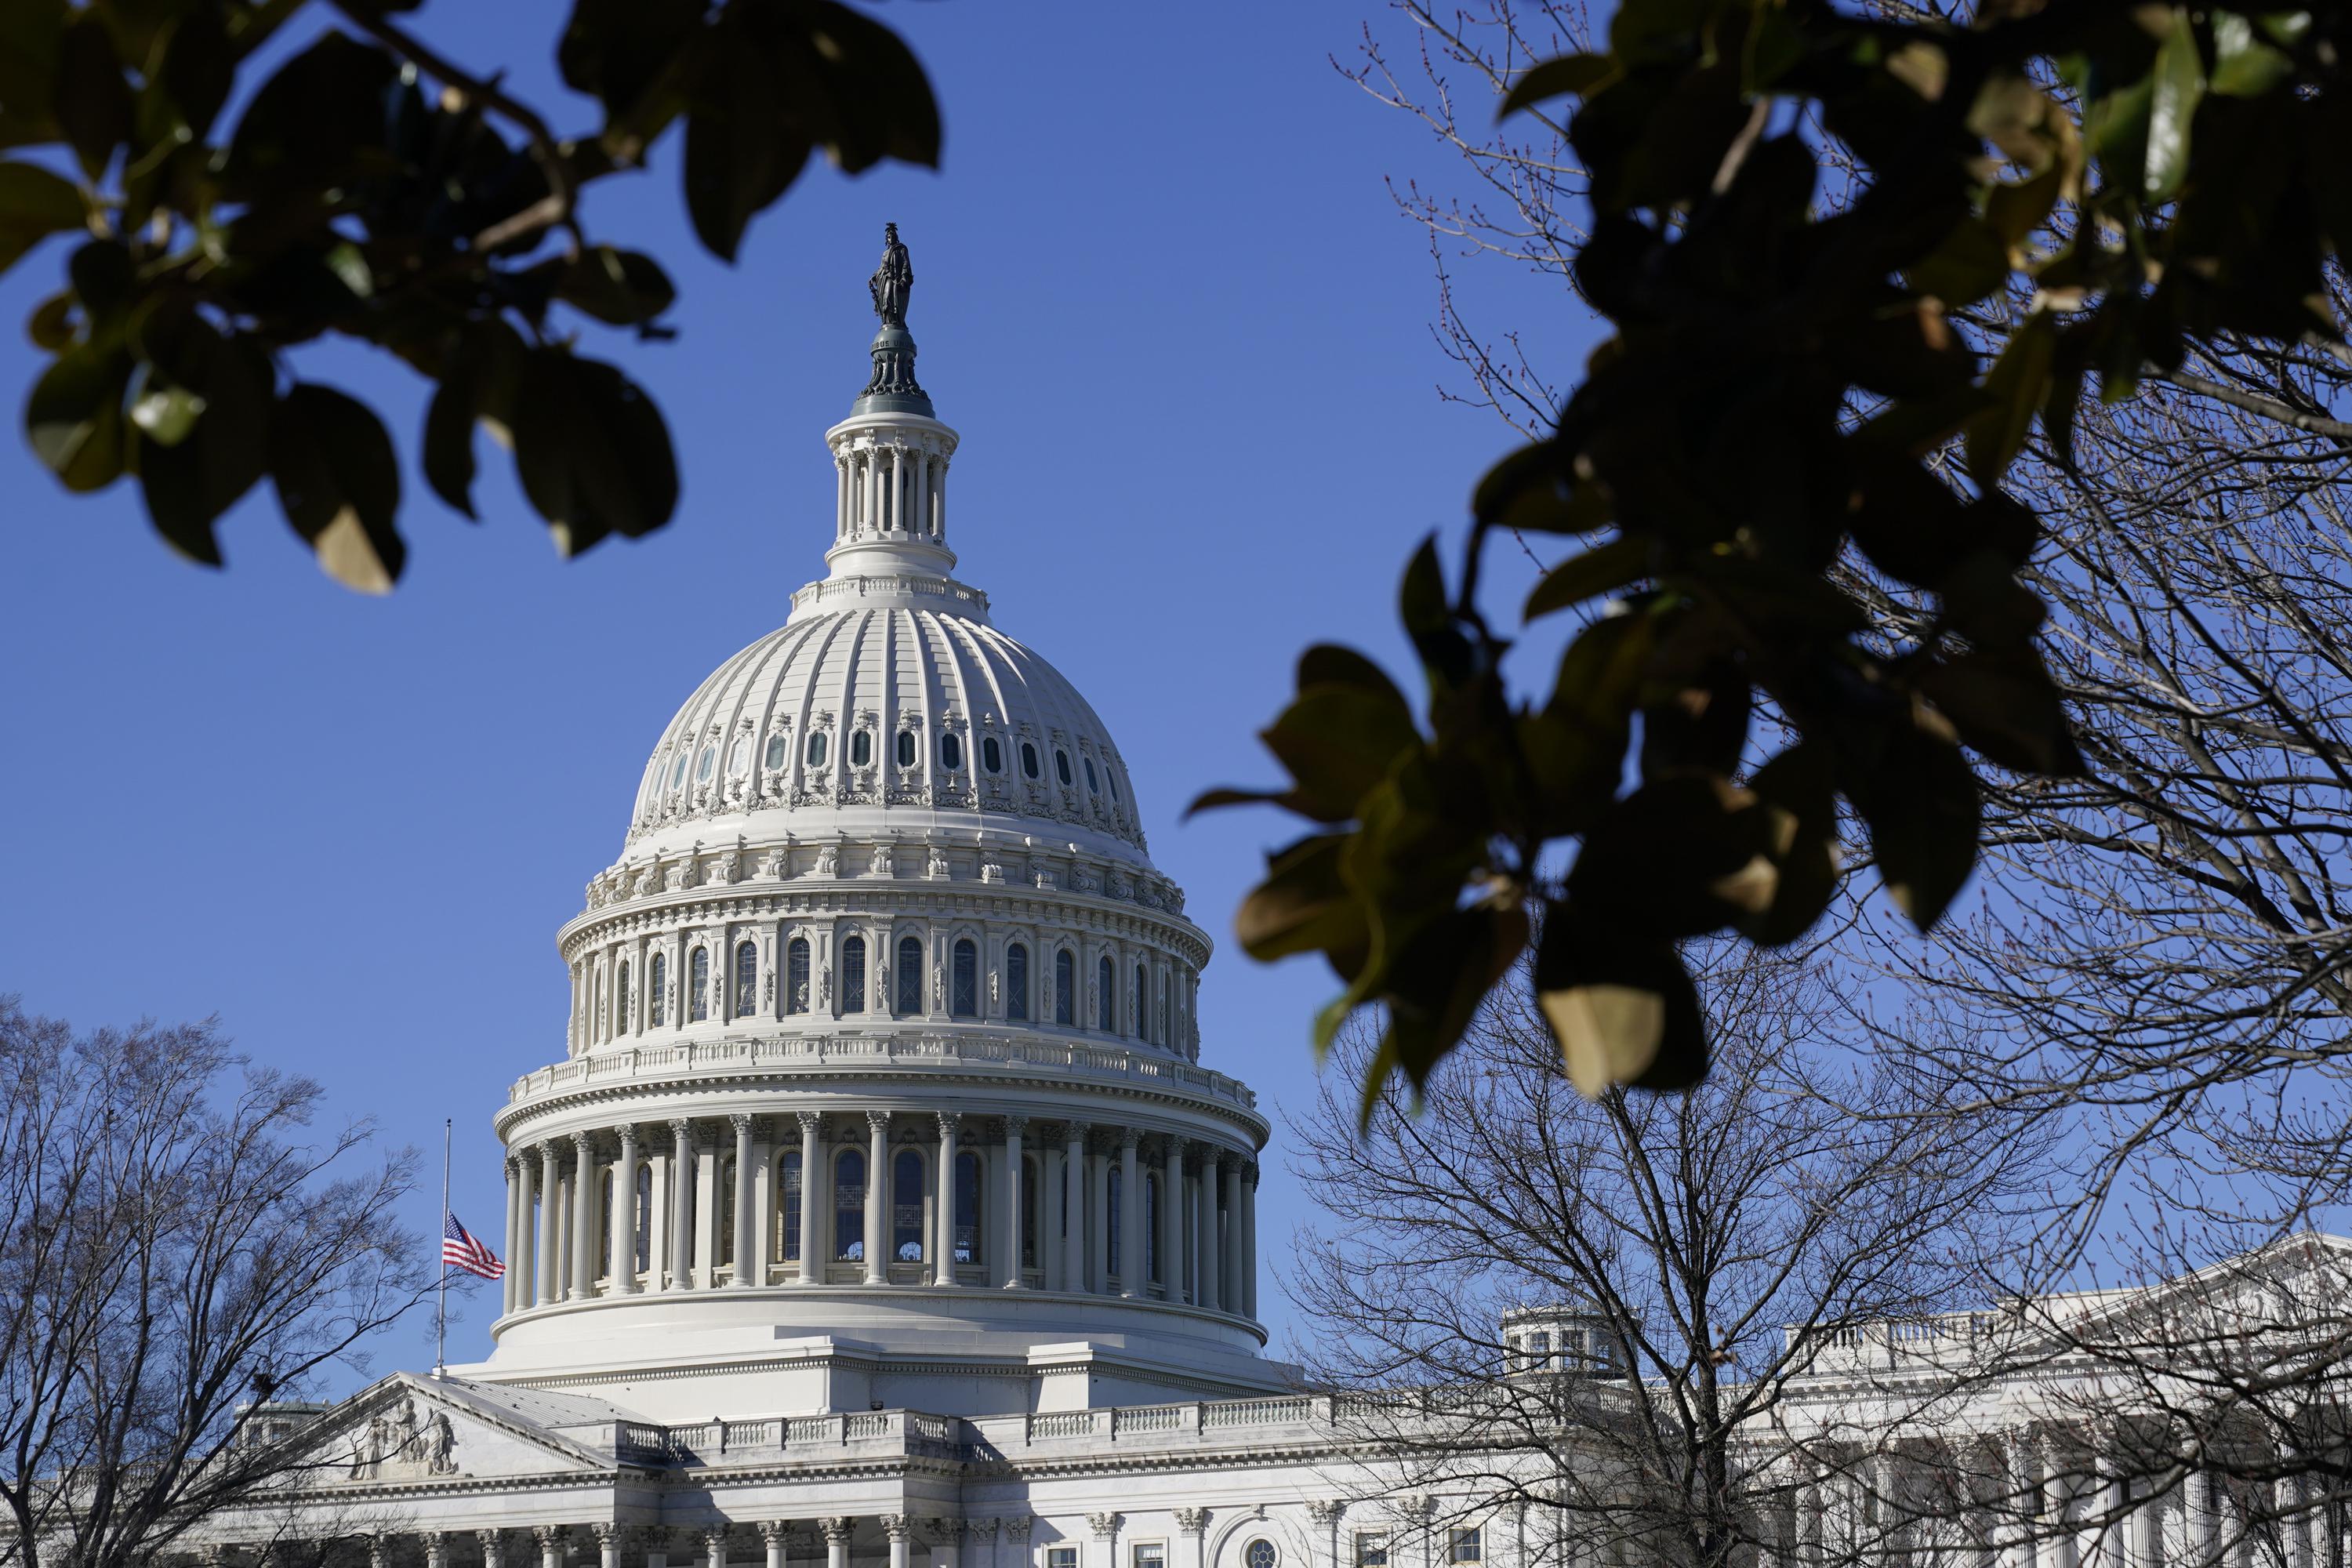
<point x="644" y="1228"/>
<point x="660" y="998"/>
<point x="1028" y="760"/>
<point x="1142" y="1017"/>
<point x="726" y="1254"/>
<point x="623" y="1016"/>
<point x="1016" y="981"/>
<point x="861" y="749"/>
<point x="777" y="752"/>
<point x="1029" y="1204"/>
<point x="853" y="975"/>
<point x="1094" y="785"/>
<point x="1066" y="988"/>
<point x="906" y="748"/>
<point x="698" y="1005"/>
<point x="703" y="765"/>
<point x="1116" y="1191"/>
<point x="788" y="1211"/>
<point x="1106" y="996"/>
<point x="1152" y="1225"/>
<point x="796" y="975"/>
<point x="911" y="975"/>
<point x="849" y="1205"/>
<point x="992" y="755"/>
<point x="906" y="1207"/>
<point x="747" y="979"/>
<point x="739" y="761"/>
<point x="967" y="1208"/>
<point x="964" y="981"/>
<point x="816" y="749"/>
<point x="1062" y="766"/>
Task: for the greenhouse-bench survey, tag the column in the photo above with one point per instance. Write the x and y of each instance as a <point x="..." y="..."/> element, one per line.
<point x="840" y="496"/>
<point x="491" y="1556"/>
<point x="2202" y="1517"/>
<point x="436" y="1549"/>
<point x="943" y="1205"/>
<point x="2055" y="1502"/>
<point x="877" y="1154"/>
<point x="923" y="490"/>
<point x="583" y="1217"/>
<point x="900" y="1528"/>
<point x="746" y="1269"/>
<point x="1325" y="1515"/>
<point x="874" y="518"/>
<point x="1249" y="1241"/>
<point x="1211" y="1293"/>
<point x="550" y="1223"/>
<point x="708" y="1210"/>
<point x="625" y="1213"/>
<point x="2013" y="1508"/>
<point x="899" y="518"/>
<point x="1015" y="1128"/>
<point x="836" y="1540"/>
<point x="946" y="1541"/>
<point x="1231" y="1263"/>
<point x="1097" y="1222"/>
<point x="1172" y="1220"/>
<point x="550" y="1545"/>
<point x="1106" y="1531"/>
<point x="612" y="1539"/>
<point x="714" y="1546"/>
<point x="1130" y="1215"/>
<point x="815" y="1185"/>
<point x="681" y="1205"/>
<point x="513" y="1255"/>
<point x="771" y="1536"/>
<point x="1016" y="1539"/>
<point x="1074" y="1242"/>
<point x="657" y="1548"/>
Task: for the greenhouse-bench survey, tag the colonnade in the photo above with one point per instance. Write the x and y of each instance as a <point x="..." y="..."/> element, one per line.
<point x="890" y="486"/>
<point x="774" y="1543"/>
<point x="743" y="1200"/>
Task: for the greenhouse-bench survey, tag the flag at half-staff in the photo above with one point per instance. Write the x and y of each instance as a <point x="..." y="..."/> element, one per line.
<point x="460" y="1249"/>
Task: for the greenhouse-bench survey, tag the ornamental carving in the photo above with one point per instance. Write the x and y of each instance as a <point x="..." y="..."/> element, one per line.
<point x="677" y="876"/>
<point x="777" y="866"/>
<point x="828" y="860"/>
<point x="879" y="862"/>
<point x="400" y="1444"/>
<point x="935" y="866"/>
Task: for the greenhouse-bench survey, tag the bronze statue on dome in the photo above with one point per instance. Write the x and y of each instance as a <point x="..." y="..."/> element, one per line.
<point x="893" y="280"/>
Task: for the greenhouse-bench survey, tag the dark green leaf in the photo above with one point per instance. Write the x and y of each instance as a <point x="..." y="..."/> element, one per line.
<point x="51" y="324"/>
<point x="620" y="288"/>
<point x="1339" y="742"/>
<point x="339" y="482"/>
<point x="2243" y="65"/>
<point x="31" y="35"/>
<point x="1560" y="77"/>
<point x="740" y="156"/>
<point x="310" y="124"/>
<point x="1303" y="906"/>
<point x="1680" y="857"/>
<point x="592" y="450"/>
<point x="92" y="101"/>
<point x="1433" y="986"/>
<point x="1621" y="1007"/>
<point x="2018" y="383"/>
<point x="1906" y="777"/>
<point x="34" y="205"/>
<point x="2005" y="705"/>
<point x="188" y="483"/>
<point x="199" y="65"/>
<point x="1602" y="570"/>
<point x="2179" y="82"/>
<point x="1798" y="792"/>
<point x="1969" y="265"/>
<point x="74" y="416"/>
<point x="615" y="50"/>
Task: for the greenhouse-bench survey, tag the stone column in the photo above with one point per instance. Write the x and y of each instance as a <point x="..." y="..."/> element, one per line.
<point x="2055" y="1500"/>
<point x="1325" y="1515"/>
<point x="2013" y="1531"/>
<point x="2202" y="1517"/>
<point x="436" y="1548"/>
<point x="900" y="1529"/>
<point x="612" y="1539"/>
<point x="1106" y="1531"/>
<point x="815" y="1180"/>
<point x="513" y="1254"/>
<point x="877" y="1263"/>
<point x="657" y="1548"/>
<point x="899" y="518"/>
<point x="492" y="1555"/>
<point x="714" y="1546"/>
<point x="583" y="1217"/>
<point x="1249" y="1241"/>
<point x="550" y="1222"/>
<point x="982" y="1529"/>
<point x="1209" y="1292"/>
<point x="836" y="1540"/>
<point x="1172" y="1220"/>
<point x="1098" y="1222"/>
<point x="772" y="1535"/>
<point x="1015" y="1128"/>
<point x="746" y="1267"/>
<point x="923" y="488"/>
<point x="625" y="1214"/>
<point x="943" y="1251"/>
<point x="1074" y="1169"/>
<point x="550" y="1544"/>
<point x="1131" y="1279"/>
<point x="1233" y="1263"/>
<point x="681" y="1205"/>
<point x="946" y="1536"/>
<point x="1016" y="1538"/>
<point x="378" y="1550"/>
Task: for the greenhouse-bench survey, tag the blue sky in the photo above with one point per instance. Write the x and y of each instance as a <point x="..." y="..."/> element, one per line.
<point x="1161" y="291"/>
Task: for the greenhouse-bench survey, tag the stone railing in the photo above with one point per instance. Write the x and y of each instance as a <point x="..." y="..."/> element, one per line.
<point x="721" y="1442"/>
<point x="900" y="1052"/>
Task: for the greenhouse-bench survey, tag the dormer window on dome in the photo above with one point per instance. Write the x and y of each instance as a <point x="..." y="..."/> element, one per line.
<point x="992" y="755"/>
<point x="952" y="752"/>
<point x="816" y="749"/>
<point x="861" y="749"/>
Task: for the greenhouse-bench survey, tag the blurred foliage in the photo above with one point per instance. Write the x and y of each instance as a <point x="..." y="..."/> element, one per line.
<point x="373" y="189"/>
<point x="1788" y="392"/>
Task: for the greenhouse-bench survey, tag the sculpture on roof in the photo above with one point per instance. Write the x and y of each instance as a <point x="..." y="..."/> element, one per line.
<point x="893" y="280"/>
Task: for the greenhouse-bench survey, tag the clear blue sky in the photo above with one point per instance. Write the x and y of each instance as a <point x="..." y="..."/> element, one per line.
<point x="1161" y="291"/>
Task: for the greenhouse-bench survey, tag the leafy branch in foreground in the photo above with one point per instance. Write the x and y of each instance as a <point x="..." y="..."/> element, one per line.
<point x="1794" y="405"/>
<point x="373" y="189"/>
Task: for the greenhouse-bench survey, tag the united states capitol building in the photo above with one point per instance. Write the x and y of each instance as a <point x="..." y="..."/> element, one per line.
<point x="881" y="1211"/>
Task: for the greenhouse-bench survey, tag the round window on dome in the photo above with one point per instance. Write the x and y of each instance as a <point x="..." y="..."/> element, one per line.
<point x="816" y="749"/>
<point x="739" y="759"/>
<point x="992" y="755"/>
<point x="861" y="749"/>
<point x="1028" y="760"/>
<point x="1094" y="785"/>
<point x="906" y="748"/>
<point x="952" y="752"/>
<point x="704" y="763"/>
<point x="776" y="751"/>
<point x="1062" y="766"/>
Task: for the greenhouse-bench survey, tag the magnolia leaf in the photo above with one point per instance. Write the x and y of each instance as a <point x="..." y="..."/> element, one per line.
<point x="1568" y="75"/>
<point x="2178" y="81"/>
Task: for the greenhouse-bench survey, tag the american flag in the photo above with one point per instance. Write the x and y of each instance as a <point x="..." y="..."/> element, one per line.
<point x="458" y="1247"/>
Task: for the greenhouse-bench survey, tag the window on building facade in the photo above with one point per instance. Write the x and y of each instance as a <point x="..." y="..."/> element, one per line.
<point x="816" y="749"/>
<point x="906" y="1206"/>
<point x="796" y="975"/>
<point x="1114" y="1201"/>
<point x="1260" y="1554"/>
<point x="698" y="1001"/>
<point x="911" y="975"/>
<point x="1062" y="767"/>
<point x="704" y="764"/>
<point x="967" y="1207"/>
<point x="1028" y="760"/>
<point x="1061" y="1557"/>
<point x="747" y="979"/>
<point x="849" y="1205"/>
<point x="608" y="1193"/>
<point x="738" y="759"/>
<point x="788" y="1212"/>
<point x="861" y="749"/>
<point x="1016" y="981"/>
<point x="621" y="1015"/>
<point x="964" y="981"/>
<point x="1066" y="987"/>
<point x="1149" y="1554"/>
<point x="777" y="752"/>
<point x="644" y="1217"/>
<point x="1150" y="1225"/>
<point x="991" y="753"/>
<point x="1094" y="785"/>
<point x="853" y="975"/>
<point x="1028" y="1211"/>
<point x="725" y="1249"/>
<point x="1372" y="1549"/>
<point x="1462" y="1545"/>
<point x="1141" y="1016"/>
<point x="1167" y="1019"/>
<point x="906" y="748"/>
<point x="1110" y="783"/>
<point x="678" y="773"/>
<point x="952" y="752"/>
<point x="659" y="1000"/>
<point x="1106" y="996"/>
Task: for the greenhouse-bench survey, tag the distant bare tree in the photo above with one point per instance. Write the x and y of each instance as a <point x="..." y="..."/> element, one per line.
<point x="1684" y="1260"/>
<point x="177" y="1245"/>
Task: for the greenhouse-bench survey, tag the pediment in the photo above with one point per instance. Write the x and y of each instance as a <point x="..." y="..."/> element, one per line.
<point x="409" y="1431"/>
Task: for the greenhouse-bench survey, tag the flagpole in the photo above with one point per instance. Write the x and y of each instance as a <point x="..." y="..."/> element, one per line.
<point x="441" y="1311"/>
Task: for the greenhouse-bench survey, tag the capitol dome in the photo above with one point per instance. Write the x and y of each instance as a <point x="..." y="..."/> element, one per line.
<point x="881" y="1080"/>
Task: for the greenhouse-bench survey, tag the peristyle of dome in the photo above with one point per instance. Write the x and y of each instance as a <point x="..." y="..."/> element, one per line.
<point x="881" y="1075"/>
